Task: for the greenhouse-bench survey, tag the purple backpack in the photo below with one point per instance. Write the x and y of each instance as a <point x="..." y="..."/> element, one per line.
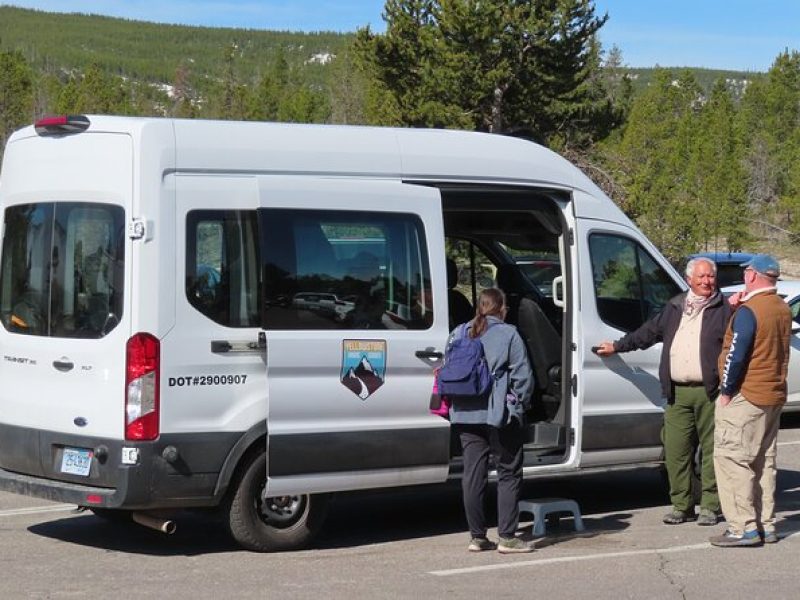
<point x="465" y="373"/>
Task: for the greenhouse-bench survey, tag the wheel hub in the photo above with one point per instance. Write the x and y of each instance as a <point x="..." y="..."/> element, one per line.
<point x="281" y="510"/>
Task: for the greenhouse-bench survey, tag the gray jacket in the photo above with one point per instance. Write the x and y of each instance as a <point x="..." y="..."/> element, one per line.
<point x="508" y="361"/>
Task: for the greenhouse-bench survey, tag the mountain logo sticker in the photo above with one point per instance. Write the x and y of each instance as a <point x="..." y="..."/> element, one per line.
<point x="363" y="366"/>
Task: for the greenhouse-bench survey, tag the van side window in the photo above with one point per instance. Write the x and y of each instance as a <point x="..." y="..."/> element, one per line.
<point x="222" y="265"/>
<point x="344" y="270"/>
<point x="630" y="286"/>
<point x="63" y="269"/>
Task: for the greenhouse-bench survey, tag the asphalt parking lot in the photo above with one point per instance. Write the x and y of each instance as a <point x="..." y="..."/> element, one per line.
<point x="410" y="544"/>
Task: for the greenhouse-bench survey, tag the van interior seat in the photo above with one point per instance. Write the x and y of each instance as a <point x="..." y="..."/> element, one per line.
<point x="542" y="341"/>
<point x="459" y="309"/>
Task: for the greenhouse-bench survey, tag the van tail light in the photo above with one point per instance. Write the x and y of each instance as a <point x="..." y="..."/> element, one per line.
<point x="61" y="125"/>
<point x="142" y="370"/>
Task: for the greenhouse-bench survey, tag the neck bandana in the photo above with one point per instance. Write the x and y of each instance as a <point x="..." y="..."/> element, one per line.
<point x="694" y="303"/>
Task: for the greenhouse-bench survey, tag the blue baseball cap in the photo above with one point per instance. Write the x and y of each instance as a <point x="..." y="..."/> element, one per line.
<point x="764" y="264"/>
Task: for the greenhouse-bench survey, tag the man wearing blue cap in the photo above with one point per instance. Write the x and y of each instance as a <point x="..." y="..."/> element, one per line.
<point x="754" y="363"/>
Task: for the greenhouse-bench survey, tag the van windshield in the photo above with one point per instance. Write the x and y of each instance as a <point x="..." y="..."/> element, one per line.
<point x="62" y="269"/>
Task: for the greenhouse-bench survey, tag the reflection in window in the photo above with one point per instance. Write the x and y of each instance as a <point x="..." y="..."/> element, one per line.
<point x="630" y="286"/>
<point x="344" y="270"/>
<point x="63" y="269"/>
<point x="795" y="306"/>
<point x="222" y="266"/>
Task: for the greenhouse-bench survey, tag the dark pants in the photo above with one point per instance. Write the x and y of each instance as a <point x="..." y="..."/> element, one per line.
<point x="689" y="420"/>
<point x="505" y="445"/>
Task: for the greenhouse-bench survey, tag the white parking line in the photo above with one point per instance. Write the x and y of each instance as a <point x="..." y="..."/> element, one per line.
<point x="582" y="558"/>
<point x="35" y="510"/>
<point x="794" y="443"/>
<point x="566" y="559"/>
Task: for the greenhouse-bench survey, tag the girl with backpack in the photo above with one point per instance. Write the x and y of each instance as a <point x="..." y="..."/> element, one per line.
<point x="493" y="423"/>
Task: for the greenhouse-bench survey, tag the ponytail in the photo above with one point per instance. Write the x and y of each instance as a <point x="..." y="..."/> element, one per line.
<point x="491" y="303"/>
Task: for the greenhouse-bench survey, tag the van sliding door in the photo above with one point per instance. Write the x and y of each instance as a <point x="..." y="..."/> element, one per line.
<point x="355" y="317"/>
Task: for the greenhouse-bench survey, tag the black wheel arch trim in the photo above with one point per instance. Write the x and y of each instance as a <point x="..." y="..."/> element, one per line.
<point x="257" y="433"/>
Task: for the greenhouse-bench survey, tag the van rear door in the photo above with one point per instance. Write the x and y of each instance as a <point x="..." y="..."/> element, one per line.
<point x="64" y="302"/>
<point x="349" y="390"/>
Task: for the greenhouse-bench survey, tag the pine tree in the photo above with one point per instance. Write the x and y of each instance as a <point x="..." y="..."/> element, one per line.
<point x="16" y="94"/>
<point x="266" y="96"/>
<point x="783" y="133"/>
<point x="182" y="94"/>
<point x="492" y="65"/>
<point x="348" y="91"/>
<point x="769" y="129"/>
<point x="656" y="149"/>
<point x="717" y="176"/>
<point x="95" y="92"/>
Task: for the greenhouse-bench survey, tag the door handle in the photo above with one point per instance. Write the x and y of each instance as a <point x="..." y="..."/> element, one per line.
<point x="221" y="346"/>
<point x="63" y="365"/>
<point x="225" y="346"/>
<point x="429" y="354"/>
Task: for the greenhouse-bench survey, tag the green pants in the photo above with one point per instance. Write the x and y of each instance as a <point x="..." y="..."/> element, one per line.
<point x="689" y="421"/>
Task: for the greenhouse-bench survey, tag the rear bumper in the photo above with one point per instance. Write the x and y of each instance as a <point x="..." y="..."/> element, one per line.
<point x="175" y="471"/>
<point x="57" y="491"/>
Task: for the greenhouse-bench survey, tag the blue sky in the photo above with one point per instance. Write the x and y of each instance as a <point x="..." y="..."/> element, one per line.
<point x="725" y="34"/>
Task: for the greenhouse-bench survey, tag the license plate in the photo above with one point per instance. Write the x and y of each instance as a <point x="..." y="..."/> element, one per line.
<point x="76" y="461"/>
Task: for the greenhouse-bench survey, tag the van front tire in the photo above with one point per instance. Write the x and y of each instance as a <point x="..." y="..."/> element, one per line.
<point x="271" y="524"/>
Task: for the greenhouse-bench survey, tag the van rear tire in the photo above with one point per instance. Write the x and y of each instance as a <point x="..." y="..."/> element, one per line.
<point x="271" y="524"/>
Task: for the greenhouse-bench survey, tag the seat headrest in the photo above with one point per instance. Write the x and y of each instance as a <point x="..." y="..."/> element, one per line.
<point x="508" y="279"/>
<point x="452" y="274"/>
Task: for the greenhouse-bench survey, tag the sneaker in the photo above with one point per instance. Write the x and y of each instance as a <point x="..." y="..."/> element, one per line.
<point x="769" y="537"/>
<point x="481" y="544"/>
<point x="513" y="546"/>
<point x="730" y="539"/>
<point x="675" y="517"/>
<point x="706" y="517"/>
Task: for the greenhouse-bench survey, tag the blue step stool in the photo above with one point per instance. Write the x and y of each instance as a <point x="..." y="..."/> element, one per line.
<point x="541" y="507"/>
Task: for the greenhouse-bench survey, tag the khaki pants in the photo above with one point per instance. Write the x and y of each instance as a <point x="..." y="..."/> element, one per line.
<point x="745" y="444"/>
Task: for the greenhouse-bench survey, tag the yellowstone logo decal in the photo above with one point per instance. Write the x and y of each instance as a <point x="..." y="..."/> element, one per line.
<point x="363" y="366"/>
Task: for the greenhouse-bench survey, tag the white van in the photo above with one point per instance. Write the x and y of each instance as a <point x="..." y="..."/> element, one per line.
<point x="154" y="356"/>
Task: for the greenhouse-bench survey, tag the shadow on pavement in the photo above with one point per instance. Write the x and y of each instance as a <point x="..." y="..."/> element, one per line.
<point x="381" y="516"/>
<point x="391" y="515"/>
<point x="790" y="420"/>
<point x="197" y="534"/>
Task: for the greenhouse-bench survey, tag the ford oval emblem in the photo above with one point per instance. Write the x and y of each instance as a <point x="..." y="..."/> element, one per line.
<point x="80" y="421"/>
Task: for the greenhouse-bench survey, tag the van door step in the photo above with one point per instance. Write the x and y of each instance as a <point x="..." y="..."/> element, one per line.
<point x="544" y="435"/>
<point x="540" y="508"/>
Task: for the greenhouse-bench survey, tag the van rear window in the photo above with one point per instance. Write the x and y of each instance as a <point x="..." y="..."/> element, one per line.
<point x="62" y="269"/>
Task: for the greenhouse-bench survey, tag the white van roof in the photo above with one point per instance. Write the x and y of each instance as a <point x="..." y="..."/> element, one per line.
<point x="447" y="156"/>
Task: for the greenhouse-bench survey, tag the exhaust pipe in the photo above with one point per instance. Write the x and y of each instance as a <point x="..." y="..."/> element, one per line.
<point x="163" y="525"/>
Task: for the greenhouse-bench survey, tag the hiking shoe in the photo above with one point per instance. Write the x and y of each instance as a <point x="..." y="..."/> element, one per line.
<point x="481" y="544"/>
<point x="513" y="546"/>
<point x="730" y="539"/>
<point x="706" y="517"/>
<point x="676" y="517"/>
<point x="769" y="537"/>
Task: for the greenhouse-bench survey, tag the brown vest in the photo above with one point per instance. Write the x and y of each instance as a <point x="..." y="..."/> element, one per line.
<point x="764" y="380"/>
